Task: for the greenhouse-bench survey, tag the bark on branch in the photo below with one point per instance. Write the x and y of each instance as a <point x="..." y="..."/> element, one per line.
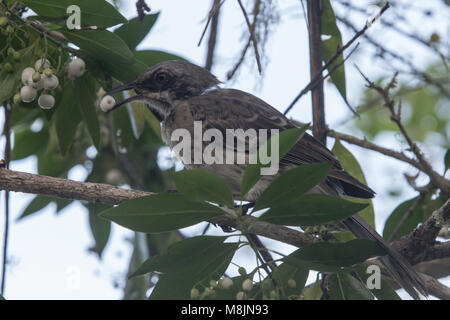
<point x="421" y="240"/>
<point x="107" y="194"/>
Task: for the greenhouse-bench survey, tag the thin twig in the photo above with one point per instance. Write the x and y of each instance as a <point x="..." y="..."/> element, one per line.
<point x="141" y="8"/>
<point x="316" y="80"/>
<point x="211" y="14"/>
<point x="333" y="58"/>
<point x="438" y="180"/>
<point x="252" y="35"/>
<point x="319" y="127"/>
<point x="7" y="134"/>
<point x="413" y="70"/>
<point x="212" y="34"/>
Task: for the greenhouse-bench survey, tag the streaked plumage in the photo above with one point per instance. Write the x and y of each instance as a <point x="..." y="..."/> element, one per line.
<point x="180" y="93"/>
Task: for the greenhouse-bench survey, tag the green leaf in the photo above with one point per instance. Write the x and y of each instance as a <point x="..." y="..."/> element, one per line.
<point x="343" y="286"/>
<point x="27" y="142"/>
<point x="292" y="184"/>
<point x="181" y="255"/>
<point x="67" y="117"/>
<point x="285" y="271"/>
<point x="38" y="203"/>
<point x="312" y="209"/>
<point x="418" y="215"/>
<point x="136" y="110"/>
<point x="351" y="165"/>
<point x="152" y="57"/>
<point x="189" y="262"/>
<point x="101" y="45"/>
<point x="85" y="95"/>
<point x="385" y="292"/>
<point x="330" y="257"/>
<point x="93" y="12"/>
<point x="286" y="140"/>
<point x="9" y="82"/>
<point x="330" y="46"/>
<point x="124" y="72"/>
<point x="397" y="216"/>
<point x="314" y="292"/>
<point x="203" y="185"/>
<point x="100" y="228"/>
<point x="135" y="30"/>
<point x="161" y="212"/>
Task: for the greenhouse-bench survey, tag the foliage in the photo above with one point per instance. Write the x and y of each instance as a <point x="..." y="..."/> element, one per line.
<point x="121" y="148"/>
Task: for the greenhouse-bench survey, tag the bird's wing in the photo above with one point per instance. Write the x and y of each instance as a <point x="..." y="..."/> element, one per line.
<point x="235" y="109"/>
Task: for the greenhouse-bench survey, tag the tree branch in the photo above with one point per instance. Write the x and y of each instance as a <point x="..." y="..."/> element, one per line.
<point x="332" y="59"/>
<point x="107" y="194"/>
<point x="438" y="180"/>
<point x="315" y="58"/>
<point x="212" y="34"/>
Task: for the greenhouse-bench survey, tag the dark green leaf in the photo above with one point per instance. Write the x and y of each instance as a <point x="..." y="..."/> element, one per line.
<point x="330" y="257"/>
<point x="192" y="262"/>
<point x="100" y="228"/>
<point x="27" y="142"/>
<point x="9" y="82"/>
<point x="418" y="214"/>
<point x="385" y="292"/>
<point x="85" y="95"/>
<point x="292" y="184"/>
<point x="314" y="292"/>
<point x="101" y="45"/>
<point x="124" y="72"/>
<point x="352" y="166"/>
<point x="152" y="57"/>
<point x="312" y="209"/>
<point x="135" y="30"/>
<point x="286" y="140"/>
<point x="162" y="212"/>
<point x="343" y="286"/>
<point x="285" y="271"/>
<point x="93" y="12"/>
<point x="331" y="45"/>
<point x="38" y="203"/>
<point x="181" y="255"/>
<point x="67" y="117"/>
<point x="202" y="185"/>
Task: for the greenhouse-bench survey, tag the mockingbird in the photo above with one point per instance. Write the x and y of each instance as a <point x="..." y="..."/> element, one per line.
<point x="179" y="93"/>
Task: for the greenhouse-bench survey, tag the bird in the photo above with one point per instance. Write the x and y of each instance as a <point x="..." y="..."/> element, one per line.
<point x="180" y="93"/>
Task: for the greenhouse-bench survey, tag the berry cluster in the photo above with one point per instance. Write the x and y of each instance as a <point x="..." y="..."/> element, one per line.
<point x="35" y="79"/>
<point x="42" y="77"/>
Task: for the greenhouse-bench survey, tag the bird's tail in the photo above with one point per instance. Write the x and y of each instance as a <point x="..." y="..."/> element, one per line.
<point x="400" y="269"/>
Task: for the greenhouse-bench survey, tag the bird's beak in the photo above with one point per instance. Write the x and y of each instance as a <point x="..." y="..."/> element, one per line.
<point x="127" y="86"/>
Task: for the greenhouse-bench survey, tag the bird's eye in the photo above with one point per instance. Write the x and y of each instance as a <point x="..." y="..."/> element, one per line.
<point x="162" y="77"/>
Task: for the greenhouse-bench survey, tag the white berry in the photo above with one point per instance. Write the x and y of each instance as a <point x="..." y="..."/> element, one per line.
<point x="226" y="283"/>
<point x="76" y="68"/>
<point x="107" y="103"/>
<point x="28" y="93"/>
<point x="44" y="63"/>
<point x="247" y="285"/>
<point x="27" y="73"/>
<point x="50" y="82"/>
<point x="36" y="85"/>
<point x="46" y="101"/>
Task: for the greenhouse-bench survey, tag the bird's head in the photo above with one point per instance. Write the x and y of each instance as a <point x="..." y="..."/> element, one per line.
<point x="164" y="83"/>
